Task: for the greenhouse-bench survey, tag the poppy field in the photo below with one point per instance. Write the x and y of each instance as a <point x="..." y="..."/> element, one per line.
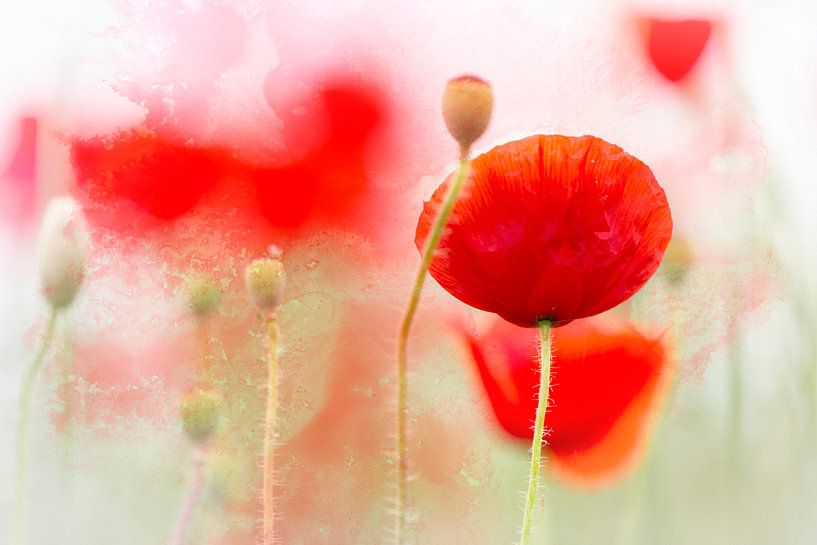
<point x="303" y="273"/>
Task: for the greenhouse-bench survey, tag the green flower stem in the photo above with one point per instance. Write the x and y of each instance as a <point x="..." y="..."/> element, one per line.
<point x="193" y="498"/>
<point x="538" y="431"/>
<point x="22" y="425"/>
<point x="402" y="340"/>
<point x="735" y="415"/>
<point x="270" y="429"/>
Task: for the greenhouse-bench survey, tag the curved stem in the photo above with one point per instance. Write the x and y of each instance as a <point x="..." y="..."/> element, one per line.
<point x="270" y="428"/>
<point x="192" y="501"/>
<point x="22" y="424"/>
<point x="538" y="431"/>
<point x="402" y="340"/>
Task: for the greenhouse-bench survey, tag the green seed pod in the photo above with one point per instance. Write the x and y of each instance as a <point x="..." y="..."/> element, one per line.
<point x="265" y="279"/>
<point x="467" y="106"/>
<point x="200" y="412"/>
<point x="203" y="296"/>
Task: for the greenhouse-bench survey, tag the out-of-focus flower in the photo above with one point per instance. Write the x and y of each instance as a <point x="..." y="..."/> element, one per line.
<point x="166" y="175"/>
<point x="677" y="260"/>
<point x="18" y="189"/>
<point x="200" y="411"/>
<point x="62" y="252"/>
<point x="675" y="45"/>
<point x="606" y="385"/>
<point x="550" y="228"/>
<point x="341" y="120"/>
<point x="203" y="296"/>
<point x="161" y="177"/>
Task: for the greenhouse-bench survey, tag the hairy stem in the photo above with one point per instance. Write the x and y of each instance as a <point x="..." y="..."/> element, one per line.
<point x="22" y="424"/>
<point x="270" y="429"/>
<point x="402" y="340"/>
<point x="538" y="430"/>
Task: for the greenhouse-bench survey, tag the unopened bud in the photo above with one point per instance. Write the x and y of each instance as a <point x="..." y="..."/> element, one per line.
<point x="265" y="279"/>
<point x="200" y="411"/>
<point x="62" y="252"/>
<point x="467" y="105"/>
<point x="203" y="296"/>
<point x="677" y="260"/>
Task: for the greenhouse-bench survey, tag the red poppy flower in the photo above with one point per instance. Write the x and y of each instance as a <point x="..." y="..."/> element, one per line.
<point x="550" y="227"/>
<point x="674" y="46"/>
<point x="162" y="177"/>
<point x="18" y="190"/>
<point x="605" y="384"/>
<point x="331" y="175"/>
<point x="165" y="177"/>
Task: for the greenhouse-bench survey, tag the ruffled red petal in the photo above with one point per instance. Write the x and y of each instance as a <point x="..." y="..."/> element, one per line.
<point x="550" y="227"/>
<point x="605" y="384"/>
<point x="675" y="46"/>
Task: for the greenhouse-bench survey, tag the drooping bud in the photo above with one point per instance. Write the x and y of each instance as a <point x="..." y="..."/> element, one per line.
<point x="203" y="296"/>
<point x="265" y="279"/>
<point x="467" y="105"/>
<point x="200" y="412"/>
<point x="677" y="260"/>
<point x="62" y="252"/>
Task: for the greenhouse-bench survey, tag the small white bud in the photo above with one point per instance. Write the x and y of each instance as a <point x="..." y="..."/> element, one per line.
<point x="63" y="246"/>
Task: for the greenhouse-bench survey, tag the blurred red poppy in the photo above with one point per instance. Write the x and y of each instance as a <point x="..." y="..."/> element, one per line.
<point x="165" y="177"/>
<point x="332" y="174"/>
<point x="550" y="228"/>
<point x="162" y="177"/>
<point x="674" y="46"/>
<point x="18" y="184"/>
<point x="606" y="383"/>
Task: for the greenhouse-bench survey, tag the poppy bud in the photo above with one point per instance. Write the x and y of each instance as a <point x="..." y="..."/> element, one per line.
<point x="62" y="249"/>
<point x="265" y="279"/>
<point x="203" y="296"/>
<point x="677" y="260"/>
<point x="467" y="105"/>
<point x="200" y="410"/>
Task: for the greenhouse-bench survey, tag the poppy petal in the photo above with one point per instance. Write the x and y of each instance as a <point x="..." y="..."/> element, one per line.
<point x="550" y="227"/>
<point x="605" y="384"/>
<point x="674" y="46"/>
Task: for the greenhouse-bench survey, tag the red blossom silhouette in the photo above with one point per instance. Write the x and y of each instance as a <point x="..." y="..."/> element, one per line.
<point x="674" y="46"/>
<point x="550" y="227"/>
<point x="331" y="176"/>
<point x="162" y="177"/>
<point x="18" y="184"/>
<point x="606" y="383"/>
<point x="166" y="176"/>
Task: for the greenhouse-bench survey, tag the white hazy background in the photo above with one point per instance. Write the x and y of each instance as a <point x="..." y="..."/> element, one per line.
<point x="556" y="66"/>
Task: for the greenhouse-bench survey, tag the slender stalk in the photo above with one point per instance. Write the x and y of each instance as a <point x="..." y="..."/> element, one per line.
<point x="735" y="415"/>
<point x="22" y="425"/>
<point x="203" y="332"/>
<point x="270" y="428"/>
<point x="402" y="340"/>
<point x="192" y="501"/>
<point x="538" y="431"/>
